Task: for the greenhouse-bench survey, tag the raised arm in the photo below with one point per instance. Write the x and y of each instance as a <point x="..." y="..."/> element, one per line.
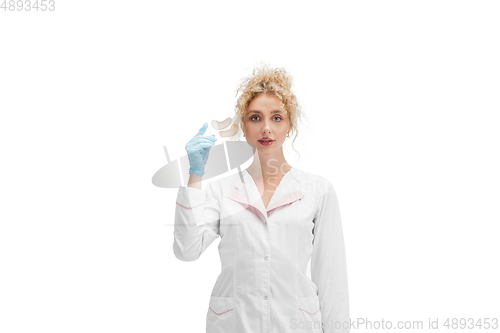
<point x="197" y="210"/>
<point x="196" y="221"/>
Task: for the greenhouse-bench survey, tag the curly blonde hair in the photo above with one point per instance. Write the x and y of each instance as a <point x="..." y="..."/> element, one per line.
<point x="273" y="81"/>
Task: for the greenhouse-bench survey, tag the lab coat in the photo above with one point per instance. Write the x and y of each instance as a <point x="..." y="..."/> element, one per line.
<point x="264" y="286"/>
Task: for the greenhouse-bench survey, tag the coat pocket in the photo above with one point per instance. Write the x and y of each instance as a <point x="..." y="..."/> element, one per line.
<point x="309" y="314"/>
<point x="220" y="316"/>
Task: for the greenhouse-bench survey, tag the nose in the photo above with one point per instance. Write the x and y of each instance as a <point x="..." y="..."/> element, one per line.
<point x="266" y="128"/>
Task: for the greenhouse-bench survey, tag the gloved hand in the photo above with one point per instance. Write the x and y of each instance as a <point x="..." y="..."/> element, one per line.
<point x="197" y="149"/>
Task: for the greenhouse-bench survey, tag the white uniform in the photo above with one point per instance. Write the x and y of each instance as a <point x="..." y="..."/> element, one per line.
<point x="263" y="286"/>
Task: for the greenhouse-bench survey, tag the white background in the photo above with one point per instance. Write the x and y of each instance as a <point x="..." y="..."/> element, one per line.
<point x="402" y="100"/>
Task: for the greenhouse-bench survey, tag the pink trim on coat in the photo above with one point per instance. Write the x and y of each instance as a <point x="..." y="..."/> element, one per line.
<point x="308" y="311"/>
<point x="221" y="312"/>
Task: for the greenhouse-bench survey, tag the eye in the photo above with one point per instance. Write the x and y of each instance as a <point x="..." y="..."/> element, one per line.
<point x="279" y="117"/>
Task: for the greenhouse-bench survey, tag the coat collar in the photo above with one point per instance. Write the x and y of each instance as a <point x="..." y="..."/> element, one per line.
<point x="247" y="194"/>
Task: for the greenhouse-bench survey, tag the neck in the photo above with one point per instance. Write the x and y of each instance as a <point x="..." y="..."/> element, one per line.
<point x="268" y="165"/>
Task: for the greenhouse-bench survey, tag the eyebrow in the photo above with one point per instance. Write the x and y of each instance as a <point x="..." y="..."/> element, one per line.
<point x="255" y="111"/>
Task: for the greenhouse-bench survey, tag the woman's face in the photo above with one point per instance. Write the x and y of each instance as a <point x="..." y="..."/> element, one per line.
<point x="266" y="118"/>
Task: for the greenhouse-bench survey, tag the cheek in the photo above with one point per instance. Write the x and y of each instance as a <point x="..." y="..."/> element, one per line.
<point x="249" y="128"/>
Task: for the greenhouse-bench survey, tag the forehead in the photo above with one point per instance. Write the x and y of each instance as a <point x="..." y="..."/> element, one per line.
<point x="266" y="104"/>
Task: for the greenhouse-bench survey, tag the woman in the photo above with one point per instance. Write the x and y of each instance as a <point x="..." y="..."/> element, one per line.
<point x="273" y="220"/>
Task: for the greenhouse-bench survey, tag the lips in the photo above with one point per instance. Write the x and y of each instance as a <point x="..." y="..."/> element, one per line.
<point x="266" y="142"/>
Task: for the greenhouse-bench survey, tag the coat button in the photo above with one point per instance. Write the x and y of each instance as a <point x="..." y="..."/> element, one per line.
<point x="265" y="297"/>
<point x="265" y="258"/>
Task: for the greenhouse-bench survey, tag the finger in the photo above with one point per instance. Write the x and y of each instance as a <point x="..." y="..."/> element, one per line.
<point x="212" y="137"/>
<point x="204" y="139"/>
<point x="203" y="129"/>
<point x="208" y="143"/>
<point x="200" y="131"/>
<point x="204" y="145"/>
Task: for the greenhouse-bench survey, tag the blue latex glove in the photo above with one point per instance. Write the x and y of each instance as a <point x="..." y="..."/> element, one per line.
<point x="197" y="149"/>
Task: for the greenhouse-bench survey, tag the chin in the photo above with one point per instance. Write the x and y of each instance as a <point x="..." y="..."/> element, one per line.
<point x="268" y="150"/>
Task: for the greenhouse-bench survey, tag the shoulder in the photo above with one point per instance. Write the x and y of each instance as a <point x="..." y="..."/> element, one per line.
<point x="315" y="182"/>
<point x="223" y="183"/>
